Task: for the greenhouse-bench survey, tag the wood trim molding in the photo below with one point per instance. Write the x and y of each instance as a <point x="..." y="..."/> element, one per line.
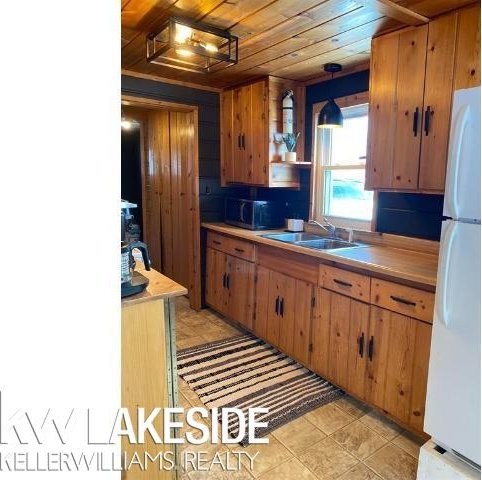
<point x="323" y="77"/>
<point x="155" y="78"/>
<point x="395" y="11"/>
<point x="150" y="103"/>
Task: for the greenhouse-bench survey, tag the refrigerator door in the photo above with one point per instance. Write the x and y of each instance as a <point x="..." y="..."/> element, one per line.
<point x="462" y="187"/>
<point x="452" y="413"/>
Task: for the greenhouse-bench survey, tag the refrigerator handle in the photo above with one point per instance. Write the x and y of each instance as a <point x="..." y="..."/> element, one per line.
<point x="454" y="161"/>
<point x="446" y="244"/>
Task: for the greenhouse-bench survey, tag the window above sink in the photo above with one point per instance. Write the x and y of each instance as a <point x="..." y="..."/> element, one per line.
<point x="339" y="156"/>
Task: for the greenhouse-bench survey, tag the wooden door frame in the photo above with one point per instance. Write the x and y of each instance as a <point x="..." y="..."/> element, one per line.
<point x="195" y="254"/>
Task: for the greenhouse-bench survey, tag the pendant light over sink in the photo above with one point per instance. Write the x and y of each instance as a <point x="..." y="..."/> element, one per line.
<point x="330" y="115"/>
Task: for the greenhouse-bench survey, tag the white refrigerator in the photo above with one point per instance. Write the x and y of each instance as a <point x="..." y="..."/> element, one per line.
<point x="452" y="415"/>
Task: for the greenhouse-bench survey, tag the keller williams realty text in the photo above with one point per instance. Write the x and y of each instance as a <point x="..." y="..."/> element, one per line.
<point x="80" y="439"/>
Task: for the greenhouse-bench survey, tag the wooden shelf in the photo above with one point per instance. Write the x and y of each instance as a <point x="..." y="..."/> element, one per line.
<point x="293" y="164"/>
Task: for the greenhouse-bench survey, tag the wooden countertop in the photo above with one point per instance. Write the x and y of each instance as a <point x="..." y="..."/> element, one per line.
<point x="397" y="263"/>
<point x="159" y="287"/>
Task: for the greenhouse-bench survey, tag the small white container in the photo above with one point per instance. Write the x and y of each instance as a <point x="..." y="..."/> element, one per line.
<point x="294" y="224"/>
<point x="290" y="157"/>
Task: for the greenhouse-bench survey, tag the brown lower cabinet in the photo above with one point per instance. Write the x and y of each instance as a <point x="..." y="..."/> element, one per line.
<point x="283" y="312"/>
<point x="368" y="336"/>
<point x="378" y="355"/>
<point x="397" y="365"/>
<point x="230" y="286"/>
<point x="340" y="325"/>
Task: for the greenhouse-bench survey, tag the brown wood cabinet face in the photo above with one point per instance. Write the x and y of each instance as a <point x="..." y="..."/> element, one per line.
<point x="274" y="295"/>
<point x="262" y="301"/>
<point x="437" y="102"/>
<point x="320" y="333"/>
<point x="358" y="348"/>
<point x="230" y="285"/>
<point x="283" y="312"/>
<point x="215" y="280"/>
<point x="240" y="286"/>
<point x="258" y="146"/>
<point x="238" y="154"/>
<point x="398" y="365"/>
<point x="410" y="85"/>
<point x="302" y="321"/>
<point x="412" y="77"/>
<point x="227" y="137"/>
<point x="255" y="154"/>
<point x="339" y="325"/>
<point x="382" y="111"/>
<point x="467" y="58"/>
<point x="286" y="312"/>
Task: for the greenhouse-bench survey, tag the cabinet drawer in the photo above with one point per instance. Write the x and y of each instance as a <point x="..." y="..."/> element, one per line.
<point x="408" y="301"/>
<point x="232" y="246"/>
<point x="345" y="282"/>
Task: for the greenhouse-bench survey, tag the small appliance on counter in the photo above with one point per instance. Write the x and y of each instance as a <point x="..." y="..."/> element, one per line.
<point x="130" y="231"/>
<point x="294" y="224"/>
<point x="254" y="214"/>
<point x="133" y="282"/>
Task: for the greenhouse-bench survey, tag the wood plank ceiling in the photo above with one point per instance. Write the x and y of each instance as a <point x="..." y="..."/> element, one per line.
<point x="285" y="38"/>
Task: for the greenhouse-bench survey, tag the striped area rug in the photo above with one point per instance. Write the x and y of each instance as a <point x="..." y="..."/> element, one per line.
<point x="245" y="371"/>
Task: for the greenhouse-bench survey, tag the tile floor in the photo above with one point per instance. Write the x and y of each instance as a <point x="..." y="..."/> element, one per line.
<point x="344" y="440"/>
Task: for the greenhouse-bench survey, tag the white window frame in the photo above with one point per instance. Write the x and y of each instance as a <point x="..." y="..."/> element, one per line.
<point x="319" y="168"/>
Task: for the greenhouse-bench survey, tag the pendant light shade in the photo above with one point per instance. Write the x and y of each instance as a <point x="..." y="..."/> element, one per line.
<point x="330" y="115"/>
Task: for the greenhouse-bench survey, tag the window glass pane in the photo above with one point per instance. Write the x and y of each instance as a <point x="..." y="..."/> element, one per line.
<point x="349" y="144"/>
<point x="345" y="194"/>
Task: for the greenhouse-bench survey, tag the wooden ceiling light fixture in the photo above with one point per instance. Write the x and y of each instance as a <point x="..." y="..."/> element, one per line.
<point x="193" y="46"/>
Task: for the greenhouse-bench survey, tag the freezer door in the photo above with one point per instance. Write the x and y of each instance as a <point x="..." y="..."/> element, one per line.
<point x="462" y="187"/>
<point x="452" y="413"/>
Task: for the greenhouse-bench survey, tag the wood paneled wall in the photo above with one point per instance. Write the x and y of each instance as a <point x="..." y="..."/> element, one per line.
<point x="211" y="195"/>
<point x="171" y="191"/>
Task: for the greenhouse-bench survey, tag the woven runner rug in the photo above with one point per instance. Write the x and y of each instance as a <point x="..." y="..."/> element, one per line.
<point x="244" y="372"/>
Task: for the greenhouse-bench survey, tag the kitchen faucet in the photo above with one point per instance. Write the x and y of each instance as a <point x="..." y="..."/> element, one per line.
<point x="328" y="227"/>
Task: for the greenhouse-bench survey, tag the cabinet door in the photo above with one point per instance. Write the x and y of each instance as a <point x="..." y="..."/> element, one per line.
<point x="239" y="100"/>
<point x="240" y="285"/>
<point x="410" y="85"/>
<point x="263" y="302"/>
<point x="338" y="324"/>
<point x="467" y="56"/>
<point x="437" y="102"/>
<point x="358" y="348"/>
<point x="287" y="310"/>
<point x="227" y="137"/>
<point x="302" y="321"/>
<point x="280" y="311"/>
<point x="398" y="365"/>
<point x="258" y="141"/>
<point x="241" y="134"/>
<point x="216" y="292"/>
<point x="382" y="112"/>
<point x="320" y="333"/>
<point x="339" y="339"/>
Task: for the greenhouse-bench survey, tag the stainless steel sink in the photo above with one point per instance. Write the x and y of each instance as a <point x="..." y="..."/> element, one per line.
<point x="310" y="240"/>
<point x="293" y="237"/>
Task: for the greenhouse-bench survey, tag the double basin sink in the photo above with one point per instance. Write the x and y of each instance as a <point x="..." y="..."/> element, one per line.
<point x="309" y="240"/>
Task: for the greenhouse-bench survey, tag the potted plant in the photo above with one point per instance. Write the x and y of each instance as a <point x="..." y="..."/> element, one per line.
<point x="290" y="140"/>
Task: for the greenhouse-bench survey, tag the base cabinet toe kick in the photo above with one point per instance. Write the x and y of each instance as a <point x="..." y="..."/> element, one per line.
<point x="369" y="336"/>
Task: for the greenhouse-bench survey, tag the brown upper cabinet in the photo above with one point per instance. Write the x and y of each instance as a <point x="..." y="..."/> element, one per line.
<point x="411" y="84"/>
<point x="251" y="126"/>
